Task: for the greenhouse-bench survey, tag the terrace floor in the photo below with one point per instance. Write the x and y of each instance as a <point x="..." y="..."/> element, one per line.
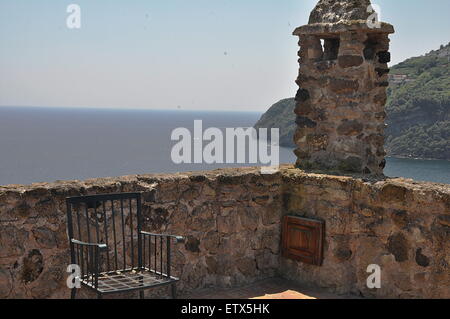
<point x="274" y="288"/>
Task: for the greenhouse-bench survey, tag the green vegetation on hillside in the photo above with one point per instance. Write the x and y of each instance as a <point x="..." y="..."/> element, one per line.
<point x="281" y="115"/>
<point x="418" y="109"/>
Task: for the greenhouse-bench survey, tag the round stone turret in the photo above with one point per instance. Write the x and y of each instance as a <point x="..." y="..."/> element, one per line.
<point x="343" y="79"/>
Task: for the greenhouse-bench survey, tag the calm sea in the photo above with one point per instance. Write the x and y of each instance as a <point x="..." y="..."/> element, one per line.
<point x="48" y="144"/>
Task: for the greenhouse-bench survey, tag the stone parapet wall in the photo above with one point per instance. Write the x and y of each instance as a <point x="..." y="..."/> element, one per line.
<point x="399" y="225"/>
<point x="232" y="221"/>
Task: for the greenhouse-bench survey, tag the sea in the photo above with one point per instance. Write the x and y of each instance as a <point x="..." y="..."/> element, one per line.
<point x="43" y="144"/>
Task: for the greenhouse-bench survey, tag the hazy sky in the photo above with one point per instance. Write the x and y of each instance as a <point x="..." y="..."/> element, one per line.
<point x="165" y="54"/>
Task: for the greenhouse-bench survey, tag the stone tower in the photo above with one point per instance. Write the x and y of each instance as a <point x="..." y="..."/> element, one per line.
<point x="343" y="80"/>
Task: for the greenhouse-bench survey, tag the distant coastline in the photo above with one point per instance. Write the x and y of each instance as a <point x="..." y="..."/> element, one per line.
<point x="417" y="158"/>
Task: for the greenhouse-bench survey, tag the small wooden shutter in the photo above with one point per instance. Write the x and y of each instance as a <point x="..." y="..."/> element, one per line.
<point x="303" y="239"/>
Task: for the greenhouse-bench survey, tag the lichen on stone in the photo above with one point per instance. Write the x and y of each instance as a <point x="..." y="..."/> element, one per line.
<point x="335" y="11"/>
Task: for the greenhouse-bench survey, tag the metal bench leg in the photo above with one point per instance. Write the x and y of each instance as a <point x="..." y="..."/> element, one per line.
<point x="73" y="293"/>
<point x="174" y="291"/>
<point x="141" y="294"/>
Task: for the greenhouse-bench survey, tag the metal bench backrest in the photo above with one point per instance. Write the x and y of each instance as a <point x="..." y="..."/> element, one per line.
<point x="111" y="219"/>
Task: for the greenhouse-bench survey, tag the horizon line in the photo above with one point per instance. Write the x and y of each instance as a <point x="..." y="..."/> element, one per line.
<point x="129" y="108"/>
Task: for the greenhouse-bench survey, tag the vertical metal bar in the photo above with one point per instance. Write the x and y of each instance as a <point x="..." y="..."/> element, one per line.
<point x="105" y="224"/>
<point x="123" y="236"/>
<point x="80" y="261"/>
<point x="161" y="256"/>
<point x="80" y="248"/>
<point x="77" y="248"/>
<point x="88" y="269"/>
<point x="114" y="234"/>
<point x="79" y="234"/>
<point x="139" y="229"/>
<point x="143" y="252"/>
<point x="97" y="266"/>
<point x="96" y="251"/>
<point x="79" y="225"/>
<point x="87" y="261"/>
<point x="156" y="253"/>
<point x="89" y="252"/>
<point x="131" y="230"/>
<point x="150" y="252"/>
<point x="89" y="248"/>
<point x="91" y="263"/>
<point x="97" y="228"/>
<point x="87" y="222"/>
<point x="70" y="233"/>
<point x="78" y="257"/>
<point x="168" y="256"/>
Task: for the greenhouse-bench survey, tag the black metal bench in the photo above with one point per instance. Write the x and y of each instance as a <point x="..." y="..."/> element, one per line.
<point x="112" y="251"/>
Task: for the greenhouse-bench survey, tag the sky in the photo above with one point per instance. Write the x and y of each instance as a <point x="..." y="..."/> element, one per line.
<point x="236" y="55"/>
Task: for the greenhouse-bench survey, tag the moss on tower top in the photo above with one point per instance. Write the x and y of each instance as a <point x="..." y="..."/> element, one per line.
<point x="335" y="11"/>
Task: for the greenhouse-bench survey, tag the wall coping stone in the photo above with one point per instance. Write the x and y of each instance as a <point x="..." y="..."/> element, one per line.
<point x="287" y="171"/>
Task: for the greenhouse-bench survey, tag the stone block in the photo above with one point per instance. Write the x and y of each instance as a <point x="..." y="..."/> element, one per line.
<point x="343" y="86"/>
<point x="45" y="237"/>
<point x="348" y="61"/>
<point x="350" y="128"/>
<point x="12" y="241"/>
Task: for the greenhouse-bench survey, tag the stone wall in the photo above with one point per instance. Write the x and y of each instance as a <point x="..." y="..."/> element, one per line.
<point x="231" y="219"/>
<point x="400" y="225"/>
